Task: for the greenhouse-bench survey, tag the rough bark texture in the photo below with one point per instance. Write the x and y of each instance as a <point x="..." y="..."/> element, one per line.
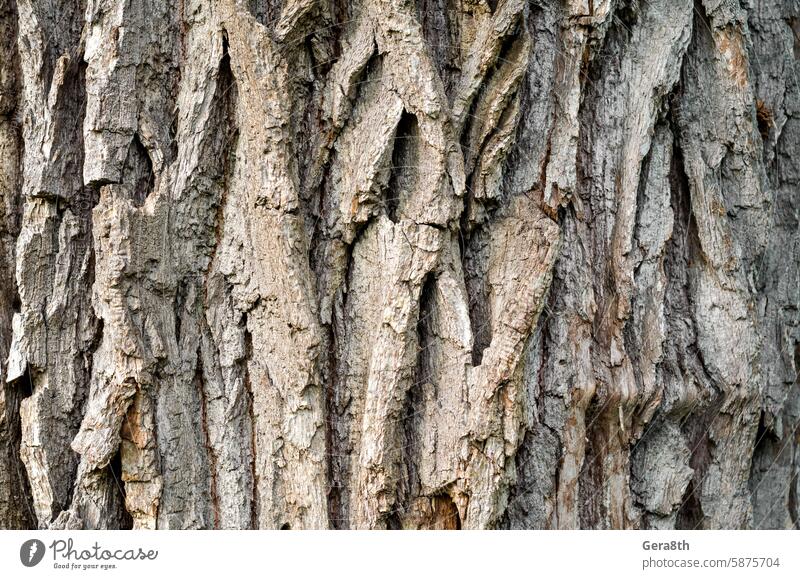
<point x="399" y="264"/>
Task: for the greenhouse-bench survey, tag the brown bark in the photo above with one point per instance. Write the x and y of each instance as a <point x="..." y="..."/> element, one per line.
<point x="399" y="264"/>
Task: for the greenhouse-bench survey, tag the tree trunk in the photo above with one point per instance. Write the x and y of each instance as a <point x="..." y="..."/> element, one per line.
<point x="399" y="264"/>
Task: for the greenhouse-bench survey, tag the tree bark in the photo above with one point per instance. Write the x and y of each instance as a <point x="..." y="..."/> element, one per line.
<point x="399" y="264"/>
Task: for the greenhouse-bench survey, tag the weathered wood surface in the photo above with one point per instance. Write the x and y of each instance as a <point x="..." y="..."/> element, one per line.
<point x="399" y="264"/>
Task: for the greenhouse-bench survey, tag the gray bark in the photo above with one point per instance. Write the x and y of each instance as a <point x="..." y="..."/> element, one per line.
<point x="399" y="264"/>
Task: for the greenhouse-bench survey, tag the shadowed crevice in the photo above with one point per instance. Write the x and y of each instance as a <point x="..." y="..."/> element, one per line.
<point x="404" y="170"/>
<point x="138" y="172"/>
